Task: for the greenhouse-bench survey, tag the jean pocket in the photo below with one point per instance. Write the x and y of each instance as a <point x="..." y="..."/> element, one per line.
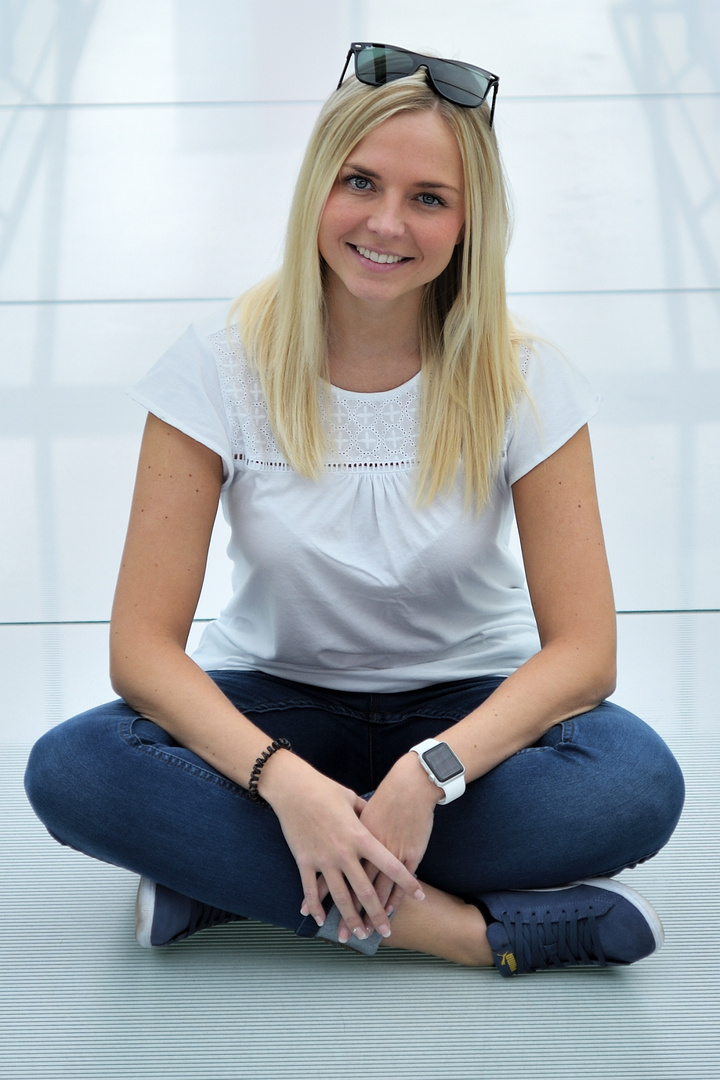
<point x="150" y="738"/>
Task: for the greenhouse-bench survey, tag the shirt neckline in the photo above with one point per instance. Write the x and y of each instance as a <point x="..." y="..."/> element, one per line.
<point x="376" y="395"/>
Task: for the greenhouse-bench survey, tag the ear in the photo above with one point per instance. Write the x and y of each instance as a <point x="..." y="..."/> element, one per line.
<point x="461" y="235"/>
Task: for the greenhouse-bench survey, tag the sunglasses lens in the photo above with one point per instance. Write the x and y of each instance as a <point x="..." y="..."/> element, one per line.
<point x="378" y="66"/>
<point x="459" y="84"/>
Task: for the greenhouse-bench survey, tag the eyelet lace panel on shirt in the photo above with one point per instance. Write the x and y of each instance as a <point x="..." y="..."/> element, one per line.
<point x="369" y="432"/>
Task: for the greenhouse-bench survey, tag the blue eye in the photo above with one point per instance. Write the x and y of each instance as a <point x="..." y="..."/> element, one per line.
<point x="428" y="199"/>
<point x="358" y="183"/>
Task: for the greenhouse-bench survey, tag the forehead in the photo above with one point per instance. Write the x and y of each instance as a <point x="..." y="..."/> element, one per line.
<point x="411" y="141"/>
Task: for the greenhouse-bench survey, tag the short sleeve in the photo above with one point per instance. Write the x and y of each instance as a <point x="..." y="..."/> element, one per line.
<point x="183" y="389"/>
<point x="563" y="402"/>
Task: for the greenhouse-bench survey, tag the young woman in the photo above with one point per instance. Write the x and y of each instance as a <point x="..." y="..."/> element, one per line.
<point x="385" y="738"/>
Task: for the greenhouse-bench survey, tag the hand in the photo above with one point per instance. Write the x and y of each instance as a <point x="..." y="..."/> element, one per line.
<point x="320" y="820"/>
<point x="400" y="816"/>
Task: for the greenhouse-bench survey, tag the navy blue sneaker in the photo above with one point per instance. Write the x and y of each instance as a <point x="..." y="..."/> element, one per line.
<point x="163" y="916"/>
<point x="600" y="922"/>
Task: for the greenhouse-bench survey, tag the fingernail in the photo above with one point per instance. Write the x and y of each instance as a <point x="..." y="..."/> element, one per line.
<point x="304" y="910"/>
<point x="419" y="894"/>
<point x="389" y="911"/>
<point x="343" y="936"/>
<point x="384" y="931"/>
<point x="319" y="921"/>
<point x="359" y="933"/>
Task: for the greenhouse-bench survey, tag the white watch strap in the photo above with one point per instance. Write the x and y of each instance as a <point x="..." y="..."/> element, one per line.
<point x="453" y="788"/>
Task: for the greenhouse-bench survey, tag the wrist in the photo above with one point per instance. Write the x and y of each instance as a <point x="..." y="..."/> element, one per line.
<point x="268" y="769"/>
<point x="414" y="774"/>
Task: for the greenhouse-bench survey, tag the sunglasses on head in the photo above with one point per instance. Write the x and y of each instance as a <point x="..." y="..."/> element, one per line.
<point x="463" y="84"/>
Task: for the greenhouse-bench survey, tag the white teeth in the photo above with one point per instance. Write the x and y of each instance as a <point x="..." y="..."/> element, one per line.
<point x="374" y="257"/>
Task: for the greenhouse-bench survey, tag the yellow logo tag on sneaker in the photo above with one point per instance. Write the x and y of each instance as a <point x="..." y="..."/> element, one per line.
<point x="509" y="959"/>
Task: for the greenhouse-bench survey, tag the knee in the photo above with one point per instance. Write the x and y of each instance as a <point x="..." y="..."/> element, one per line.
<point x="664" y="788"/>
<point x="651" y="779"/>
<point x="63" y="763"/>
<point x="48" y="781"/>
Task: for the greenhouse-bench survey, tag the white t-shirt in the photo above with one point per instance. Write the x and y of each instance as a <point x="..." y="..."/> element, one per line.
<point x="343" y="582"/>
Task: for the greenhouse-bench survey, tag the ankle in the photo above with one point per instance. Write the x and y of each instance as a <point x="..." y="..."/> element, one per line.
<point x="442" y="925"/>
<point x="473" y="944"/>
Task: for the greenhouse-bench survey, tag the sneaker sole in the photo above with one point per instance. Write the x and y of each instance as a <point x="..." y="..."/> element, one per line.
<point x="144" y="912"/>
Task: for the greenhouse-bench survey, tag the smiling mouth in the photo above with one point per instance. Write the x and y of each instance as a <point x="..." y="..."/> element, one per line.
<point x="376" y="257"/>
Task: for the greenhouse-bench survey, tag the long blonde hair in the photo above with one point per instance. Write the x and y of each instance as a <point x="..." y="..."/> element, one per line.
<point x="471" y="375"/>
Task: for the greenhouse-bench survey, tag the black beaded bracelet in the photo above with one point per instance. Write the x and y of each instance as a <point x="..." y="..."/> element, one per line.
<point x="252" y="789"/>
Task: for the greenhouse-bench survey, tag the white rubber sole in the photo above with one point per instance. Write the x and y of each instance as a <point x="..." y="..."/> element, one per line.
<point x="144" y="912"/>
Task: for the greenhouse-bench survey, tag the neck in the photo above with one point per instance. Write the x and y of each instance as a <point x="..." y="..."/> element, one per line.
<point x="372" y="347"/>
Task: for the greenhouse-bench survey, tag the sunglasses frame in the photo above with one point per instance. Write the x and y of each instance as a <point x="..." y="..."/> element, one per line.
<point x="420" y="60"/>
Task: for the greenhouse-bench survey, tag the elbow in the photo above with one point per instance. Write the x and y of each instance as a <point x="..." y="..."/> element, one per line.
<point x="608" y="684"/>
<point x="120" y="673"/>
<point x="601" y="680"/>
<point x="129" y="656"/>
<point x="588" y="671"/>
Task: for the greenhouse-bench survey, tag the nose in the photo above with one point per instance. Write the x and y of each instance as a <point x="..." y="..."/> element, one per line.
<point x="387" y="218"/>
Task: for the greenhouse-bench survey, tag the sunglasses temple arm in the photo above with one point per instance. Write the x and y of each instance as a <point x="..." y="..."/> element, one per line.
<point x="347" y="61"/>
<point x="496" y="84"/>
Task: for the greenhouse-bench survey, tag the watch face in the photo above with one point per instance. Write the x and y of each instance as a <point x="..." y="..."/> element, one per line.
<point x="443" y="762"/>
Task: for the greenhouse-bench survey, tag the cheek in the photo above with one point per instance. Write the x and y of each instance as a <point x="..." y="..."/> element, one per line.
<point x="336" y="216"/>
<point x="447" y="239"/>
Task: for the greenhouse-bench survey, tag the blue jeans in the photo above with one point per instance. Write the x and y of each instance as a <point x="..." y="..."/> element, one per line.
<point x="596" y="794"/>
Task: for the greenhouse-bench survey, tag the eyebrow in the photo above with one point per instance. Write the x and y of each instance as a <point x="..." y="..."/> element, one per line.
<point x="420" y="183"/>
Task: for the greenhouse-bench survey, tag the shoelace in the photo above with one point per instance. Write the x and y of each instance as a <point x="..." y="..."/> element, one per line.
<point x="541" y="943"/>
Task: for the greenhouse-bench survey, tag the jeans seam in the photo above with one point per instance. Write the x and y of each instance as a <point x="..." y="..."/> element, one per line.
<point x="179" y="763"/>
<point x="568" y="730"/>
<point x="276" y="706"/>
<point x="450" y="717"/>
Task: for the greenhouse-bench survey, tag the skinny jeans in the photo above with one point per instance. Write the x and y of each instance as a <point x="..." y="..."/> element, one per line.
<point x="597" y="794"/>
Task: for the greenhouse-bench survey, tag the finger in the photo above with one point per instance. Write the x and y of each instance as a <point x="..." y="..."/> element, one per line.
<point x="394" y="900"/>
<point x="312" y="901"/>
<point x="372" y="910"/>
<point x="345" y="932"/>
<point x="345" y="901"/>
<point x="322" y="887"/>
<point x="384" y="888"/>
<point x="403" y="880"/>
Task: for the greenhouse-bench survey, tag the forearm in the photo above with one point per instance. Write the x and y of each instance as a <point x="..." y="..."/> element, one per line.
<point x="158" y="679"/>
<point x="560" y="681"/>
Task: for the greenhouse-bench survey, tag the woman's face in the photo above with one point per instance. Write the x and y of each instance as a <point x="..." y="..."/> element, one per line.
<point x="396" y="211"/>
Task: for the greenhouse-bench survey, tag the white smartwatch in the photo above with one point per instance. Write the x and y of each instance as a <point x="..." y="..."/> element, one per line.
<point x="443" y="767"/>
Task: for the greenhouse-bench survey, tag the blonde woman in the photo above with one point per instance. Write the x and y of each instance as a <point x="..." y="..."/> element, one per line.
<point x="386" y="738"/>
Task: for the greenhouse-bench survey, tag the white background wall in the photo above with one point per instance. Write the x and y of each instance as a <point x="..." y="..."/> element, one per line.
<point x="147" y="154"/>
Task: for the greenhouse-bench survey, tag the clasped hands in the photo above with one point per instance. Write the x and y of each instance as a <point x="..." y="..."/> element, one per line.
<point x="364" y="853"/>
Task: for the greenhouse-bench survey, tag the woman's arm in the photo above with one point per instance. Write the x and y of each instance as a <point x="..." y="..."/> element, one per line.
<point x="569" y="582"/>
<point x="163" y="566"/>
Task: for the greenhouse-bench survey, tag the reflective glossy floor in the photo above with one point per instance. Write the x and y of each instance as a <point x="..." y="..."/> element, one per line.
<point x="147" y="154"/>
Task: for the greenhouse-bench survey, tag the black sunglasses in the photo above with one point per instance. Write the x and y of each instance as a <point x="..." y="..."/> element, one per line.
<point x="463" y="84"/>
